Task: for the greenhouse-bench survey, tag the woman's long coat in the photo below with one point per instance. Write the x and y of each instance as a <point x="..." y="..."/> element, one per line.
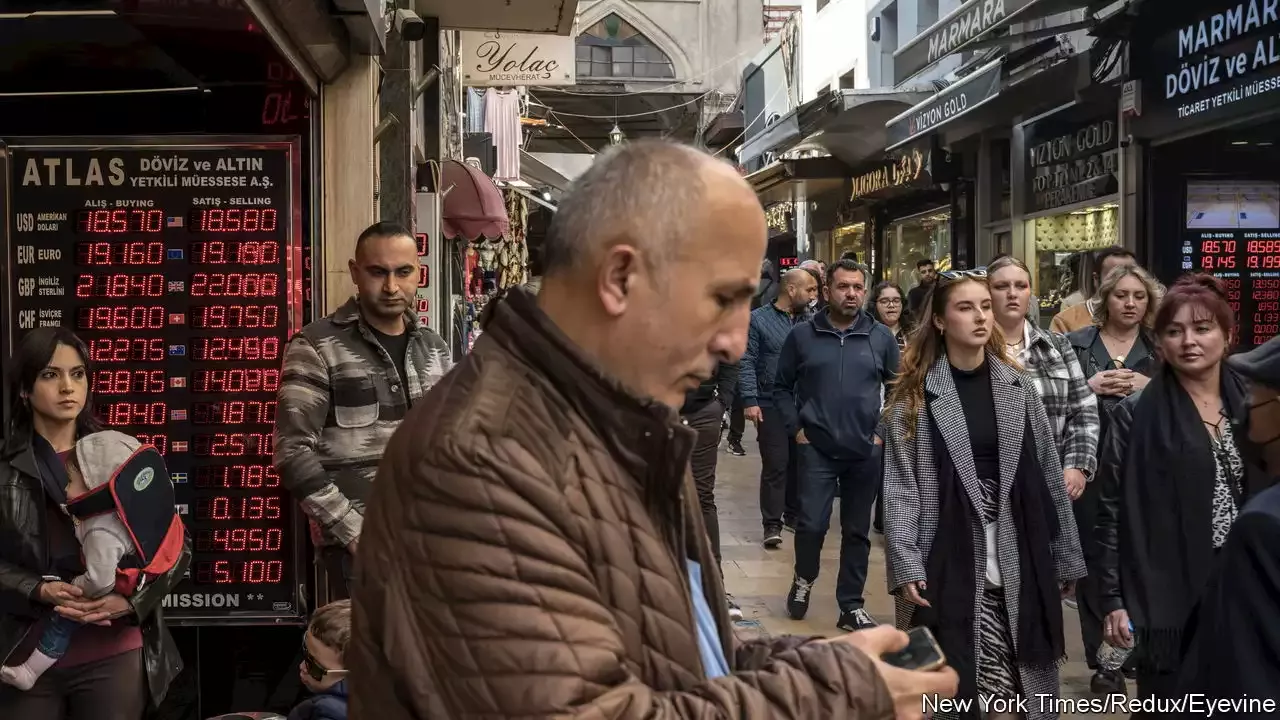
<point x="911" y="511"/>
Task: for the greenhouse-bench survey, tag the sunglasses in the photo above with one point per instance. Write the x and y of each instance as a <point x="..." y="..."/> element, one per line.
<point x="957" y="274"/>
<point x="315" y="670"/>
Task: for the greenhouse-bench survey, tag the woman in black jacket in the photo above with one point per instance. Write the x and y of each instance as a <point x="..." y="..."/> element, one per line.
<point x="1177" y="466"/>
<point x="123" y="658"/>
<point x="1118" y="356"/>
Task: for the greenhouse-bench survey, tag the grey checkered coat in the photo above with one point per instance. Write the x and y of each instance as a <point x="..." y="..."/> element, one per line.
<point x="911" y="497"/>
<point x="340" y="400"/>
<point x="1055" y="373"/>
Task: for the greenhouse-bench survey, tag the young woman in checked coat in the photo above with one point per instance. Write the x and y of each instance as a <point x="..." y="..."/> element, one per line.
<point x="981" y="540"/>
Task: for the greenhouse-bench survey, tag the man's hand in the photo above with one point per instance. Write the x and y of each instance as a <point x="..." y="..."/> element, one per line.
<point x="351" y="546"/>
<point x="876" y="440"/>
<point x="801" y="439"/>
<point x="96" y="612"/>
<point x="56" y="593"/>
<point x="754" y="414"/>
<point x="907" y="687"/>
<point x="1075" y="482"/>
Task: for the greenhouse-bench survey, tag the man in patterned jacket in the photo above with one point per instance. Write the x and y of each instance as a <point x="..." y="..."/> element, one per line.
<point x="348" y="381"/>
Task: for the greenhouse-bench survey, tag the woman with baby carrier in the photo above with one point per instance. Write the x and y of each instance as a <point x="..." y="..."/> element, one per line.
<point x="118" y="658"/>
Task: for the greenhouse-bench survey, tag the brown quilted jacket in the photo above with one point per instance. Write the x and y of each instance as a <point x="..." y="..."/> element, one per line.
<point x="524" y="557"/>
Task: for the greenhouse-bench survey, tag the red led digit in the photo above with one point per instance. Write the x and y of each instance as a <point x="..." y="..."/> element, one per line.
<point x="120" y="285"/>
<point x="134" y="413"/>
<point x="121" y="317"/>
<point x="218" y="252"/>
<point x="235" y="284"/>
<point x="236" y="348"/>
<point x="222" y="317"/>
<point x="241" y="540"/>
<point x="235" y="381"/>
<point x="248" y="507"/>
<point x="232" y="445"/>
<point x="262" y="571"/>
<point x="119" y="253"/>
<point x="249" y="572"/>
<point x="235" y="412"/>
<point x="159" y="442"/>
<point x="128" y="382"/>
<point x="115" y="222"/>
<point x="126" y="349"/>
<point x="214" y="220"/>
<point x="248" y="477"/>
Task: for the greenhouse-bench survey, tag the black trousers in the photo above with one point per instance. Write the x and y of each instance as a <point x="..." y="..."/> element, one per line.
<point x="339" y="571"/>
<point x="1088" y="600"/>
<point x="857" y="481"/>
<point x="737" y="420"/>
<point x="778" y="497"/>
<point x="706" y="421"/>
<point x="111" y="689"/>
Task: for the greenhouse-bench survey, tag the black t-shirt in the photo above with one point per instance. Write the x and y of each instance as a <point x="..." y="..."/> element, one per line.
<point x="974" y="387"/>
<point x="397" y="346"/>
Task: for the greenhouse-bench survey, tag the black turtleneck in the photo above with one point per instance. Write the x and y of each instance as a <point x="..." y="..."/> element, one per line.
<point x="974" y="388"/>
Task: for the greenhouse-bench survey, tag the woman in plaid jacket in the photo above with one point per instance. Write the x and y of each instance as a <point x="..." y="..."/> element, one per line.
<point x="1053" y="368"/>
<point x="980" y="540"/>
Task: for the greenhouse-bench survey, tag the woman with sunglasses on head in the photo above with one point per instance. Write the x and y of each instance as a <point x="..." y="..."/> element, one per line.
<point x="978" y="526"/>
<point x="1176" y="468"/>
<point x="1051" y="364"/>
<point x="1117" y="353"/>
<point x="121" y="659"/>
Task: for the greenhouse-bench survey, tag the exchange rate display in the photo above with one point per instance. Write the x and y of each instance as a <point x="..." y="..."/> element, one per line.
<point x="1233" y="232"/>
<point x="179" y="266"/>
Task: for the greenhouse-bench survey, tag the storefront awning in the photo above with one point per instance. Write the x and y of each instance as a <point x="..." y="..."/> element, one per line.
<point x="536" y="172"/>
<point x="848" y="124"/>
<point x="994" y="93"/>
<point x="772" y="183"/>
<point x="972" y="22"/>
<point x="473" y="206"/>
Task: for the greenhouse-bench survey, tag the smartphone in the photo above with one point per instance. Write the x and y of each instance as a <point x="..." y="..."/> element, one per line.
<point x="921" y="653"/>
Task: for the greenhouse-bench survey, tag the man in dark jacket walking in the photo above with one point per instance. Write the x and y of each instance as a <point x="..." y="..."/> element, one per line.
<point x="703" y="412"/>
<point x="770" y="325"/>
<point x="827" y="390"/>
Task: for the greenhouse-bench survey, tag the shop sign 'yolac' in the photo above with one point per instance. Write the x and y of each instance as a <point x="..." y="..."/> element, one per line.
<point x="905" y="170"/>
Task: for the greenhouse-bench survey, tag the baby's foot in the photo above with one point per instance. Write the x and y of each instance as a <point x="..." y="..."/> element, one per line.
<point x="19" y="676"/>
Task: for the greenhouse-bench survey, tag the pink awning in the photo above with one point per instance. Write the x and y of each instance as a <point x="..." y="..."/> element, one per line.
<point x="473" y="205"/>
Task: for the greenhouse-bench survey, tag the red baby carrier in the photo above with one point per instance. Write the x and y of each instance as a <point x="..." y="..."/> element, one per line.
<point x="141" y="493"/>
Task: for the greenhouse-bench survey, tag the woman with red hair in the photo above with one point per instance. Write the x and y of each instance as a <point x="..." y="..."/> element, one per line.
<point x="1176" y="468"/>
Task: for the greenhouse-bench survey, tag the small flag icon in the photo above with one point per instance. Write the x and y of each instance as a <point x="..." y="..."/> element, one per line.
<point x="177" y="319"/>
<point x="177" y="286"/>
<point x="181" y="509"/>
<point x="178" y="381"/>
<point x="173" y="221"/>
<point x="178" y="446"/>
<point x="177" y="414"/>
<point x="174" y="253"/>
<point x="178" y="478"/>
<point x="177" y="350"/>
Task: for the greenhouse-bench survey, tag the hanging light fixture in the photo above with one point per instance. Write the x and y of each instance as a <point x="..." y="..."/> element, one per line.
<point x="615" y="135"/>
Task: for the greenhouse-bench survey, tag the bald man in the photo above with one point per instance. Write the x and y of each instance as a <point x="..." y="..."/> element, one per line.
<point x="534" y="547"/>
<point x="770" y="325"/>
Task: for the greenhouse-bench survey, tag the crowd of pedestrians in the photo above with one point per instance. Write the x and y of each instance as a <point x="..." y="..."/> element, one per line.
<point x="532" y="530"/>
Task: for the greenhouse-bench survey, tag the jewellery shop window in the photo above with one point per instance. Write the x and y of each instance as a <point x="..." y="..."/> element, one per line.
<point x="851" y="238"/>
<point x="492" y="266"/>
<point x="909" y="240"/>
<point x="1061" y="244"/>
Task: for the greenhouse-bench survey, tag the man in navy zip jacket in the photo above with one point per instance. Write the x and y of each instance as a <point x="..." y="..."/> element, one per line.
<point x="830" y="373"/>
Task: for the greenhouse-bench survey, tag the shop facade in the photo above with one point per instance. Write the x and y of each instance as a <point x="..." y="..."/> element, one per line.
<point x="1070" y="192"/>
<point x="1209" y="180"/>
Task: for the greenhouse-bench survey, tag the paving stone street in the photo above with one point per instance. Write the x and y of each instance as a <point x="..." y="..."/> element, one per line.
<point x="759" y="578"/>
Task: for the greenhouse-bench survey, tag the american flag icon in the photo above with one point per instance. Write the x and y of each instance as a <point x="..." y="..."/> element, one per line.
<point x="178" y="477"/>
<point x="173" y="221"/>
<point x="178" y="446"/>
<point x="177" y="350"/>
<point x="178" y="381"/>
<point x="177" y="414"/>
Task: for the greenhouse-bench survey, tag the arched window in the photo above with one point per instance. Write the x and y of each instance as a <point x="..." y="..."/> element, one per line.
<point x="612" y="48"/>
